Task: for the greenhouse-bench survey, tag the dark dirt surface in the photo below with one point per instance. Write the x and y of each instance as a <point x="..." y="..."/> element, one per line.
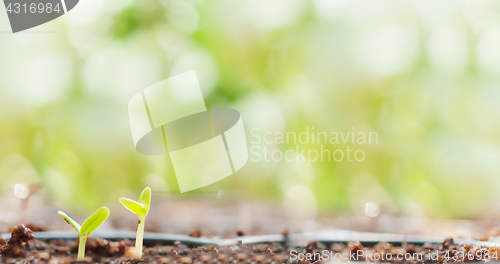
<point x="16" y="246"/>
<point x="22" y="248"/>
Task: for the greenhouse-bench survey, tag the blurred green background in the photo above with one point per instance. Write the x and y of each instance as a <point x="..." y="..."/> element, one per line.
<point x="424" y="75"/>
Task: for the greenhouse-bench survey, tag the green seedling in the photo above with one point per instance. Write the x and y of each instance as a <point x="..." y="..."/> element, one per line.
<point x="141" y="209"/>
<point x="89" y="226"/>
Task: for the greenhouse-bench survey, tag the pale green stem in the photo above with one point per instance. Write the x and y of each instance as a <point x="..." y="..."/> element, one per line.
<point x="81" y="247"/>
<point x="140" y="236"/>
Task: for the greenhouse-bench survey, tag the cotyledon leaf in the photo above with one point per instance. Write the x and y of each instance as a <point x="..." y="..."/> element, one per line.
<point x="70" y="221"/>
<point x="133" y="206"/>
<point x="94" y="221"/>
<point x="145" y="198"/>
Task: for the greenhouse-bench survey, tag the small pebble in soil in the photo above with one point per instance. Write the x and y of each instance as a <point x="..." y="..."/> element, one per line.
<point x="195" y="233"/>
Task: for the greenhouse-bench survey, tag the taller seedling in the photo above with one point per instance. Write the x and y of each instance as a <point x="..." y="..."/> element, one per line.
<point x="141" y="209"/>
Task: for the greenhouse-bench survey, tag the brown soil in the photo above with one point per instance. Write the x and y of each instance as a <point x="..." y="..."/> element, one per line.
<point x="22" y="248"/>
<point x="16" y="246"/>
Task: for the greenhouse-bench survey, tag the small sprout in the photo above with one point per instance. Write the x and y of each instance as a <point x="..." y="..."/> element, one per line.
<point x="89" y="226"/>
<point x="141" y="209"/>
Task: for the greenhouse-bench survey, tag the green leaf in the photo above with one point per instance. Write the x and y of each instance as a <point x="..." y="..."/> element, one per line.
<point x="145" y="198"/>
<point x="70" y="221"/>
<point x="133" y="206"/>
<point x="94" y="221"/>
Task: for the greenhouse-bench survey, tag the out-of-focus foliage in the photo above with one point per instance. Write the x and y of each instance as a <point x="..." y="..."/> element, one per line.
<point x="423" y="74"/>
